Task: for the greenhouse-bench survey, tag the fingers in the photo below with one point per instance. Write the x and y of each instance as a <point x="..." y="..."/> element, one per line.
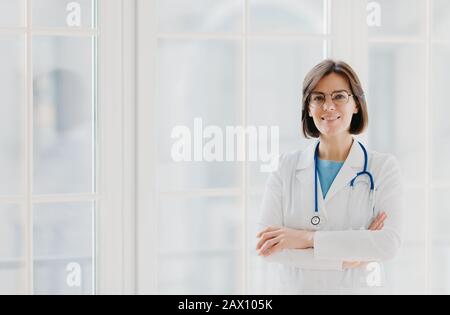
<point x="268" y="246"/>
<point x="276" y="248"/>
<point x="375" y="222"/>
<point x="269" y="229"/>
<point x="378" y="223"/>
<point x="375" y="225"/>
<point x="267" y="234"/>
<point x="266" y="237"/>
<point x="351" y="264"/>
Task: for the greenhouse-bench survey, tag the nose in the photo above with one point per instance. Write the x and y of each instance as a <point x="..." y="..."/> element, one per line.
<point x="329" y="104"/>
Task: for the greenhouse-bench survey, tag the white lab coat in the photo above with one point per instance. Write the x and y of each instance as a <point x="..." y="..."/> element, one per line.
<point x="289" y="201"/>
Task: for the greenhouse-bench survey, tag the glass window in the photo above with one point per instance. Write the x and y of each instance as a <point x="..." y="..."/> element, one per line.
<point x="64" y="13"/>
<point x="441" y="19"/>
<point x="276" y="69"/>
<point x="261" y="276"/>
<point x="12" y="114"/>
<point x="12" y="13"/>
<point x="197" y="79"/>
<point x="407" y="274"/>
<point x="53" y="110"/>
<point x="199" y="15"/>
<point x="199" y="245"/>
<point x="63" y="248"/>
<point x="397" y="17"/>
<point x="63" y="115"/>
<point x="12" y="249"/>
<point x="288" y="16"/>
<point x="397" y="104"/>
<point x="440" y="271"/>
<point x="441" y="127"/>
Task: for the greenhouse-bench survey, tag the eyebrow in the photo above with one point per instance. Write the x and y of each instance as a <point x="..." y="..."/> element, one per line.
<point x="331" y="92"/>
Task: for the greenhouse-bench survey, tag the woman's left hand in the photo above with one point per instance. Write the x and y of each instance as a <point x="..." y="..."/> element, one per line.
<point x="277" y="239"/>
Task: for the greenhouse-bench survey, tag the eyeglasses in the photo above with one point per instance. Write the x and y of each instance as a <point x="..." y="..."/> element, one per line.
<point x="339" y="98"/>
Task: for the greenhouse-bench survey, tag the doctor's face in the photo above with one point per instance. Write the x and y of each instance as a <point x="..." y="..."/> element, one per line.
<point x="332" y="106"/>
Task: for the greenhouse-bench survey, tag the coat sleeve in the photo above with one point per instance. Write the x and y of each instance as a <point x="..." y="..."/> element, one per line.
<point x="368" y="245"/>
<point x="271" y="214"/>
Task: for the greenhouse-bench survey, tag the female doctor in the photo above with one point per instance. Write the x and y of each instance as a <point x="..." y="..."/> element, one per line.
<point x="331" y="213"/>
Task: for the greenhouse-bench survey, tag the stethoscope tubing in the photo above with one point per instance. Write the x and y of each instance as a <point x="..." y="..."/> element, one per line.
<point x="316" y="219"/>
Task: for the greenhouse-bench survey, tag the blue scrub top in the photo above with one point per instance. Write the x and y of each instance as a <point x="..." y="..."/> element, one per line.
<point x="328" y="171"/>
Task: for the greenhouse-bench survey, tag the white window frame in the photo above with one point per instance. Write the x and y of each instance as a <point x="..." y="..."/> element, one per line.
<point x="116" y="111"/>
<point x="114" y="254"/>
<point x="147" y="216"/>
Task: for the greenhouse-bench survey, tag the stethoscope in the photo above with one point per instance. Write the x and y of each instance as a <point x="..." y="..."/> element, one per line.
<point x="316" y="219"/>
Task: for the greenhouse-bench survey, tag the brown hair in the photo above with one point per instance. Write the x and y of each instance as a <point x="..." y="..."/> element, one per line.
<point x="360" y="120"/>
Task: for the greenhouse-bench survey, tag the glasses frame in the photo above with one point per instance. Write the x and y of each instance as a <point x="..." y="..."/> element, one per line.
<point x="331" y="95"/>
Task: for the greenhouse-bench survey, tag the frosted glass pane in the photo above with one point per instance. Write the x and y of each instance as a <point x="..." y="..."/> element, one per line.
<point x="185" y="222"/>
<point x="204" y="274"/>
<point x="63" y="247"/>
<point x="12" y="250"/>
<point x="441" y="19"/>
<point x="261" y="276"/>
<point x="199" y="247"/>
<point x="197" y="79"/>
<point x="398" y="17"/>
<point x="12" y="13"/>
<point x="440" y="268"/>
<point x="63" y="135"/>
<point x="200" y="15"/>
<point x="407" y="274"/>
<point x="440" y="217"/>
<point x="397" y="105"/>
<point x="299" y="16"/>
<point x="13" y="93"/>
<point x="415" y="213"/>
<point x="441" y="127"/>
<point x="276" y="70"/>
<point x="63" y="13"/>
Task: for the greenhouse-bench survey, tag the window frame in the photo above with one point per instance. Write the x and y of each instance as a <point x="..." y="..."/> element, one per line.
<point x="146" y="210"/>
<point x="114" y="191"/>
<point x="116" y="236"/>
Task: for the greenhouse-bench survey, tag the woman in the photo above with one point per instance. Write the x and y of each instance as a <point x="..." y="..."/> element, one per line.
<point x="331" y="213"/>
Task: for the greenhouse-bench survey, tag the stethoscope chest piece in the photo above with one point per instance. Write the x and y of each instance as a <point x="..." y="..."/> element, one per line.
<point x="315" y="221"/>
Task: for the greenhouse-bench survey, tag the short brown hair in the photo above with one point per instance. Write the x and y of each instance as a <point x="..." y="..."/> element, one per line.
<point x="360" y="120"/>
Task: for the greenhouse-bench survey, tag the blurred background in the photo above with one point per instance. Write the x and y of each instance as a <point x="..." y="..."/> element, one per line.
<point x="231" y="63"/>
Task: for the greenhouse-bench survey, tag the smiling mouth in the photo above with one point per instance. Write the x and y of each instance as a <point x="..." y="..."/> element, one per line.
<point x="331" y="118"/>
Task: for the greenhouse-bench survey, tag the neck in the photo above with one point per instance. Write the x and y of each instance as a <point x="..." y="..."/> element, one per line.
<point x="335" y="148"/>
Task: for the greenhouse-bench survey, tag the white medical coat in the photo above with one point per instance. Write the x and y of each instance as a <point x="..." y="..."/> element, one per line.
<point x="289" y="202"/>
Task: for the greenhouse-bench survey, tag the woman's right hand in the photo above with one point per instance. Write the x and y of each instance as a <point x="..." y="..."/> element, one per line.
<point x="377" y="225"/>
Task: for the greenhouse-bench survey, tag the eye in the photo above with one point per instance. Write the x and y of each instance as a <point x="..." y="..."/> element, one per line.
<point x="317" y="98"/>
<point x="340" y="96"/>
